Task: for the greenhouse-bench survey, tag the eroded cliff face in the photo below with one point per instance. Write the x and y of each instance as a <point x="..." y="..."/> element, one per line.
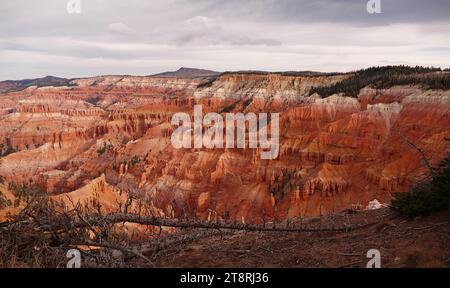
<point x="112" y="134"/>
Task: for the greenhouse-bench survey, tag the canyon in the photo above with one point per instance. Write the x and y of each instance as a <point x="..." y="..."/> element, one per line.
<point x="110" y="137"/>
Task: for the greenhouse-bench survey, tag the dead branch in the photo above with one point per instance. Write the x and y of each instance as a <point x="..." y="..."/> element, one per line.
<point x="114" y="247"/>
<point x="176" y="223"/>
<point x="425" y="160"/>
<point x="431" y="226"/>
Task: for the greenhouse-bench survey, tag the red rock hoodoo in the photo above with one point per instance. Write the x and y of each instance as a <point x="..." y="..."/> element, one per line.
<point x="334" y="152"/>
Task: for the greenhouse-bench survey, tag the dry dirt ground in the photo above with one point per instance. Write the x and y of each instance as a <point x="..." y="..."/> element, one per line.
<point x="422" y="242"/>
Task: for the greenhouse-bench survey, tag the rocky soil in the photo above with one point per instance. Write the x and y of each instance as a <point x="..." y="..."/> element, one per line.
<point x="422" y="242"/>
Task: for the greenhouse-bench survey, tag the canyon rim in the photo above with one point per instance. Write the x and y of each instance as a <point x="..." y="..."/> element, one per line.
<point x="112" y="134"/>
<point x="310" y="134"/>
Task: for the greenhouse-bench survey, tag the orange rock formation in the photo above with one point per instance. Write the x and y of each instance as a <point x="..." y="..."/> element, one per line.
<point x="334" y="152"/>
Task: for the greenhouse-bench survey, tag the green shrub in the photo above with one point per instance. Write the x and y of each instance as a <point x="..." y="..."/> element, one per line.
<point x="208" y="83"/>
<point x="229" y="108"/>
<point x="104" y="148"/>
<point x="427" y="197"/>
<point x="101" y="150"/>
<point x="247" y="103"/>
<point x="23" y="192"/>
<point x="135" y="160"/>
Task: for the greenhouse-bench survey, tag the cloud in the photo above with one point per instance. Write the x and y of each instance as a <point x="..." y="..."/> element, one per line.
<point x="245" y="40"/>
<point x="201" y="22"/>
<point x="145" y="37"/>
<point x="120" y="28"/>
<point x="206" y="30"/>
<point x="332" y="11"/>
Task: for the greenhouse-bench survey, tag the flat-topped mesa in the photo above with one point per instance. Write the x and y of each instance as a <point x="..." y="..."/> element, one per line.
<point x="138" y="82"/>
<point x="267" y="86"/>
<point x="184" y="72"/>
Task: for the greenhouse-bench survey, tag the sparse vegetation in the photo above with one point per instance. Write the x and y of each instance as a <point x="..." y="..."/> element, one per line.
<point x="94" y="100"/>
<point x="135" y="160"/>
<point x="285" y="73"/>
<point x="6" y="148"/>
<point x="101" y="150"/>
<point x="284" y="185"/>
<point x="247" y="103"/>
<point x="208" y="83"/>
<point x="44" y="230"/>
<point x="427" y="197"/>
<point x="230" y="107"/>
<point x="386" y="77"/>
<point x="3" y="201"/>
<point x="18" y="85"/>
<point x="52" y="228"/>
<point x="25" y="193"/>
<point x="9" y="150"/>
<point x="104" y="148"/>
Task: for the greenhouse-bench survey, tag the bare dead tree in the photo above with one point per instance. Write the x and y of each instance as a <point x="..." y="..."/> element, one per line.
<point x="419" y="150"/>
<point x="43" y="230"/>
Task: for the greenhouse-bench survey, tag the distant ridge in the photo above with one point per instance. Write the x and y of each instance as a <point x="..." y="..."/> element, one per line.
<point x="436" y="78"/>
<point x="285" y="73"/>
<point x="184" y="72"/>
<point x="18" y="85"/>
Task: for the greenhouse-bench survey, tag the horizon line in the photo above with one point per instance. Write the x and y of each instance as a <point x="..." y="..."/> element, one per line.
<point x="249" y="71"/>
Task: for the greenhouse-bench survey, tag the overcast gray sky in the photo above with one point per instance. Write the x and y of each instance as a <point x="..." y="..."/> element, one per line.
<point x="39" y="37"/>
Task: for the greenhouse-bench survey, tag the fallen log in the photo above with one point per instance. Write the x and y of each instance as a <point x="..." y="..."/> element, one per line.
<point x="176" y="223"/>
